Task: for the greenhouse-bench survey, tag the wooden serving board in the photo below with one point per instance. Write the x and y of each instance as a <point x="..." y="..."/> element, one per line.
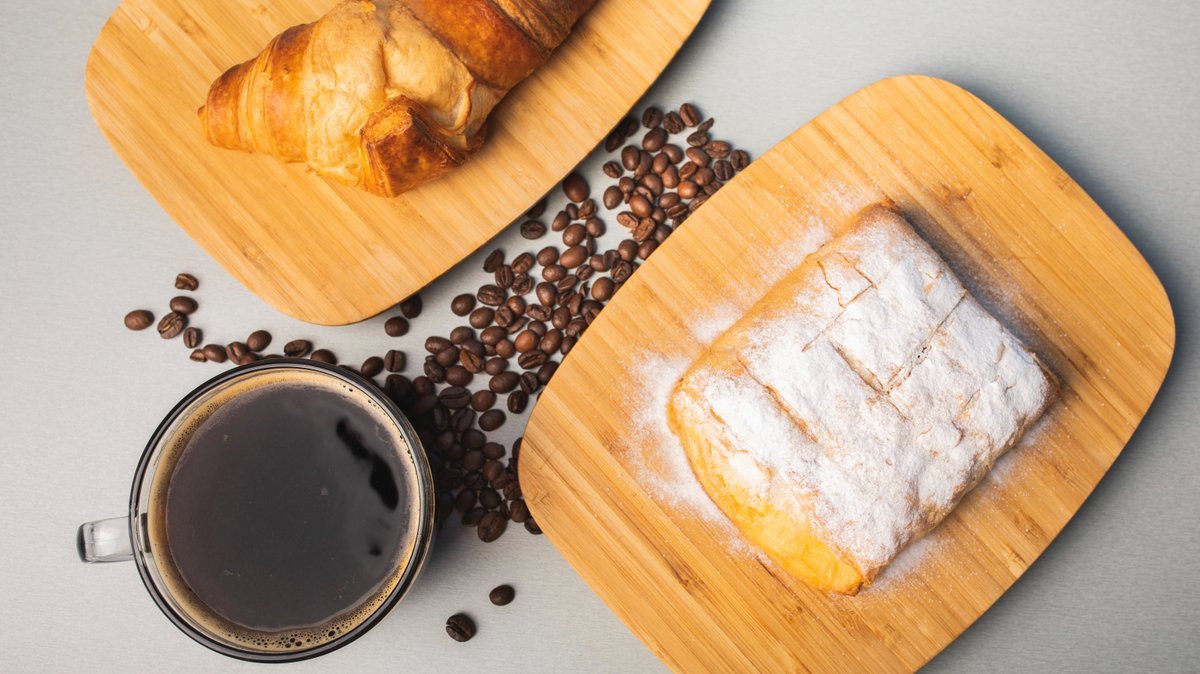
<point x="1026" y="240"/>
<point x="324" y="252"/>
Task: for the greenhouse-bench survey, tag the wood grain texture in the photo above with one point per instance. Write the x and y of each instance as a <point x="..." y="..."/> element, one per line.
<point x="324" y="252"/>
<point x="1028" y="243"/>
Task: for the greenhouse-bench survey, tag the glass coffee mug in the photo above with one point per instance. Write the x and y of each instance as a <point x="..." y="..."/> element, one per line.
<point x="279" y="511"/>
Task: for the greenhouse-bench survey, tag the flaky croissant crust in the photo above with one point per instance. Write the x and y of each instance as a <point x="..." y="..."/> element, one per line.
<point x="385" y="94"/>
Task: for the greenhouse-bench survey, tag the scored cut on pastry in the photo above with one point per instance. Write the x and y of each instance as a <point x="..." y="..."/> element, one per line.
<point x="851" y="408"/>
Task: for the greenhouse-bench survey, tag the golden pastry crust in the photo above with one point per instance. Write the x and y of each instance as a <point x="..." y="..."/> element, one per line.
<point x="851" y="408"/>
<point x="385" y="94"/>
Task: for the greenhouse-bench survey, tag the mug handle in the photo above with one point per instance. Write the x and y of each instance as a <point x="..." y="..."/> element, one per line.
<point x="104" y="541"/>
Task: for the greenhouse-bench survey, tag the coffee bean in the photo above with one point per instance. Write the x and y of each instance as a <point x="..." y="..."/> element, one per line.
<point x="613" y="169"/>
<point x="502" y="595"/>
<point x="553" y="273"/>
<point x="652" y="117"/>
<point x="704" y="176"/>
<point x="698" y="156"/>
<point x="626" y="185"/>
<point x="603" y="288"/>
<point x="689" y="115"/>
<point x="184" y="305"/>
<point x="215" y="353"/>
<point x="698" y="139"/>
<point x="481" y="317"/>
<point x="740" y="159"/>
<point x="192" y="337"/>
<point x="411" y="307"/>
<point x="587" y="209"/>
<point x="483" y="400"/>
<point x="258" y="341"/>
<point x="532" y="527"/>
<point x="622" y="270"/>
<point x="139" y="319"/>
<point x="560" y="221"/>
<point x="324" y="356"/>
<point x="653" y="141"/>
<point x="717" y="149"/>
<point x="186" y="282"/>
<point x="628" y="127"/>
<point x="644" y="229"/>
<point x="517" y="400"/>
<point x="541" y="312"/>
<point x="518" y="511"/>
<point x="644" y="164"/>
<point x="504" y="277"/>
<point x="573" y="257"/>
<point x="526" y="341"/>
<point x="688" y="189"/>
<point x="464" y="500"/>
<point x="492" y="335"/>
<point x="574" y="235"/>
<point x="459" y="626"/>
<point x="672" y="122"/>
<point x="298" y="348"/>
<point x="461" y="334"/>
<point x="371" y="367"/>
<point x="560" y="317"/>
<point x="630" y="156"/>
<point x="457" y="375"/>
<point x="491" y="527"/>
<point x="171" y="325"/>
<point x="463" y="304"/>
<point x="197" y="355"/>
<point x="493" y="261"/>
<point x="454" y="397"/>
<point x="504" y="382"/>
<point x="532" y="229"/>
<point x="472" y="517"/>
<point x="236" y="352"/>
<point x="575" y="187"/>
<point x="612" y="197"/>
<point x="393" y="361"/>
<point x="640" y="206"/>
<point x="489" y="498"/>
<point x="547" y="255"/>
<point x="396" y="326"/>
<point x="723" y="170"/>
<point x="522" y="284"/>
<point x="550" y="342"/>
<point x="705" y="125"/>
<point x="531" y="360"/>
<point x="435" y="371"/>
<point x="492" y="296"/>
<point x="472" y="361"/>
<point x="613" y="141"/>
<point x="436" y="345"/>
<point x="491" y="420"/>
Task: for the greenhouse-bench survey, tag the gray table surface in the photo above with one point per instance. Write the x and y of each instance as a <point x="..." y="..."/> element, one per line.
<point x="1109" y="89"/>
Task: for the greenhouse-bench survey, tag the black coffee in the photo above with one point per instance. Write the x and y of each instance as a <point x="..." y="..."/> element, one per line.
<point x="290" y="506"/>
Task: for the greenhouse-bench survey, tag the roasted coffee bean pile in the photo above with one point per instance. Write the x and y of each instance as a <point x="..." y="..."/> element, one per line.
<point x="527" y="316"/>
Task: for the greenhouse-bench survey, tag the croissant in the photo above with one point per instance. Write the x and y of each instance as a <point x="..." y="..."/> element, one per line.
<point x="385" y="94"/>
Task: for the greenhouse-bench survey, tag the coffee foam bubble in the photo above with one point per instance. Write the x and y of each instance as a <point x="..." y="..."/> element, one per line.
<point x="175" y="589"/>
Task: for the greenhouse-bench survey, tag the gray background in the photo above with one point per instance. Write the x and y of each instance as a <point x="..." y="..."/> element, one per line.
<point x="1109" y="89"/>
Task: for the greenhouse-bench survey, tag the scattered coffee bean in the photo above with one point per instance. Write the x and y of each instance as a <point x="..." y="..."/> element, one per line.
<point x="183" y="305"/>
<point x="492" y="296"/>
<point x="517" y="401"/>
<point x="491" y="420"/>
<point x="502" y="595"/>
<point x="297" y="348"/>
<point x="483" y="400"/>
<point x="139" y="319"/>
<point x="171" y="325"/>
<point x="533" y="229"/>
<point x="186" y="282"/>
<point x="463" y="304"/>
<point x="504" y="382"/>
<point x="215" y="353"/>
<point x="192" y="338"/>
<point x="411" y="307"/>
<point x="371" y="367"/>
<point x="393" y="360"/>
<point x="198" y="356"/>
<point x="396" y="326"/>
<point x="491" y="527"/>
<point x="740" y="159"/>
<point x="258" y="340"/>
<point x="459" y="626"/>
<point x="324" y="356"/>
<point x="653" y="141"/>
<point x="575" y="187"/>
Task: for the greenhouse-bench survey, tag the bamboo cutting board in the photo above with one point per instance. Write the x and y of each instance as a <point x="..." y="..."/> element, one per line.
<point x="327" y="253"/>
<point x="1028" y="243"/>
